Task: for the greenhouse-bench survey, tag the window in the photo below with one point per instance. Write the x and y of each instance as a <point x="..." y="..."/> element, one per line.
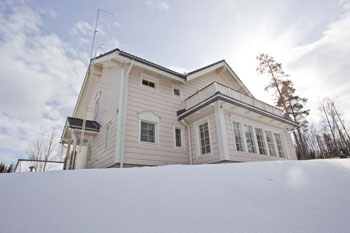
<point x="148" y="132"/>
<point x="149" y="128"/>
<point x="107" y="135"/>
<point x="88" y="156"/>
<point x="261" y="141"/>
<point x="89" y="152"/>
<point x="97" y="105"/>
<point x="249" y="138"/>
<point x="238" y="136"/>
<point x="279" y="143"/>
<point x="270" y="143"/>
<point x="149" y="82"/>
<point x="178" y="137"/>
<point x="176" y="91"/>
<point x="204" y="139"/>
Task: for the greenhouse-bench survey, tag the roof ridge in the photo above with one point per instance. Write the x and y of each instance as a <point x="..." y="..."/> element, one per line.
<point x="155" y="65"/>
<point x="204" y="67"/>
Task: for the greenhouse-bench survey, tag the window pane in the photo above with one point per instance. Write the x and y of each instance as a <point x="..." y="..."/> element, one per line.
<point x="176" y="92"/>
<point x="147" y="132"/>
<point x="249" y="138"/>
<point x="204" y="138"/>
<point x="270" y="143"/>
<point x="279" y="143"/>
<point x="148" y="83"/>
<point x="97" y="104"/>
<point x="107" y="136"/>
<point x="178" y="141"/>
<point x="238" y="136"/>
<point x="261" y="141"/>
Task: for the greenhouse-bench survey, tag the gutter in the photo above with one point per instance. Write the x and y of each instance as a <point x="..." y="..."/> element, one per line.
<point x="189" y="139"/>
<point x="123" y="113"/>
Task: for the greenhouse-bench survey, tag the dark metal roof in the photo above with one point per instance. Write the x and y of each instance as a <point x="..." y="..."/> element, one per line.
<point x="205" y="67"/>
<point x="77" y="123"/>
<point x="154" y="65"/>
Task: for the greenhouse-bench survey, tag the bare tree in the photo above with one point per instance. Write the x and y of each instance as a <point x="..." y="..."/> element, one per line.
<point x="43" y="149"/>
<point x="6" y="169"/>
<point x="333" y="131"/>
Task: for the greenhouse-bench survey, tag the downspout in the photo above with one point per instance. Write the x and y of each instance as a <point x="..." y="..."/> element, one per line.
<point x="124" y="109"/>
<point x="189" y="139"/>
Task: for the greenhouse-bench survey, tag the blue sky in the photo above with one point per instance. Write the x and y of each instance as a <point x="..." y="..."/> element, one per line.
<point x="45" y="47"/>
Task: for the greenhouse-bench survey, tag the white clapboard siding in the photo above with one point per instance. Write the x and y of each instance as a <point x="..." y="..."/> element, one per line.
<point x="109" y="86"/>
<point x="165" y="105"/>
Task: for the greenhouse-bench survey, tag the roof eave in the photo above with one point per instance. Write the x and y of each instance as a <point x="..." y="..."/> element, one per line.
<point x="218" y="96"/>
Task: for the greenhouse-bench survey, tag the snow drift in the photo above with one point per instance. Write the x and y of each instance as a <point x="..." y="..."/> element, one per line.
<point x="289" y="196"/>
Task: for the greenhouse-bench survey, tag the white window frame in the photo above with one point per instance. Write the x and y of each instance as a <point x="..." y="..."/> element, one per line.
<point x="153" y="118"/>
<point x="88" y="155"/>
<point x="264" y="140"/>
<point x="182" y="137"/>
<point x="97" y="104"/>
<point x="106" y="144"/>
<point x="176" y="87"/>
<point x="198" y="144"/>
<point x="150" y="79"/>
<point x="234" y="136"/>
<point x="253" y="138"/>
<point x="274" y="141"/>
<point x="265" y="128"/>
<point x="282" y="142"/>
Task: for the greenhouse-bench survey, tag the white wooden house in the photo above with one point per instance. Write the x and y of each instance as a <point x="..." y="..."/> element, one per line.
<point x="139" y="113"/>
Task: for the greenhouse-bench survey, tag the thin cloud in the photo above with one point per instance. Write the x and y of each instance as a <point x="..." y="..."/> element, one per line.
<point x="82" y="28"/>
<point x="161" y="5"/>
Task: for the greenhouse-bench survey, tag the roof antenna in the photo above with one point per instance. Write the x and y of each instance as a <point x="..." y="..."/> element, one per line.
<point x="95" y="31"/>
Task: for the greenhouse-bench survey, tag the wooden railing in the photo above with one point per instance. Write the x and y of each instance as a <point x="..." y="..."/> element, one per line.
<point x="214" y="87"/>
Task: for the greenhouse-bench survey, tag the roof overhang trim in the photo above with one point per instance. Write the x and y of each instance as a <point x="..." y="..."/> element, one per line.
<point x="218" y="96"/>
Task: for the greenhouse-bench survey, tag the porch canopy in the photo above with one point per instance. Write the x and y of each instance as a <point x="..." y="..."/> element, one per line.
<point x="73" y="127"/>
<point x="199" y="104"/>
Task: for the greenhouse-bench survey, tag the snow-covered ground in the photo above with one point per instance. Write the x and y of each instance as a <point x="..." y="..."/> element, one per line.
<point x="289" y="196"/>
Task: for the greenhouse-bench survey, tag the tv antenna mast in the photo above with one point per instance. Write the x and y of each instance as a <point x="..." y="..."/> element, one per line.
<point x="91" y="63"/>
<point x="95" y="31"/>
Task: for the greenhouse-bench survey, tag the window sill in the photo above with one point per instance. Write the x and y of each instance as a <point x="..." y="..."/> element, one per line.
<point x="148" y="143"/>
<point x="199" y="156"/>
<point x="250" y="154"/>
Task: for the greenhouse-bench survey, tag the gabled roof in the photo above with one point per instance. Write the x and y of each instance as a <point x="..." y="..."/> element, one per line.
<point x="185" y="76"/>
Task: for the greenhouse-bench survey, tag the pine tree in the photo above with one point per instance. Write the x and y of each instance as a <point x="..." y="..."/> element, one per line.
<point x="285" y="98"/>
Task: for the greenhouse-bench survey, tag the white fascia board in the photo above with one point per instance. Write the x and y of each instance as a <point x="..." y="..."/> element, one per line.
<point x="105" y="58"/>
<point x="207" y="70"/>
<point x="217" y="66"/>
<point x="81" y="92"/>
<point x="238" y="80"/>
<point x="147" y="67"/>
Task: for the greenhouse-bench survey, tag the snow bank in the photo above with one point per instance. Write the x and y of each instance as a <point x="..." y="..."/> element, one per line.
<point x="290" y="196"/>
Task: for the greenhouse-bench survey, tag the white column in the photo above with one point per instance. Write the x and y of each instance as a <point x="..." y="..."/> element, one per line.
<point x="221" y="132"/>
<point x="68" y="155"/>
<point x="74" y="152"/>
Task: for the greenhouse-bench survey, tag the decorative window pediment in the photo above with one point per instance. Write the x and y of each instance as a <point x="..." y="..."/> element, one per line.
<point x="149" y="116"/>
